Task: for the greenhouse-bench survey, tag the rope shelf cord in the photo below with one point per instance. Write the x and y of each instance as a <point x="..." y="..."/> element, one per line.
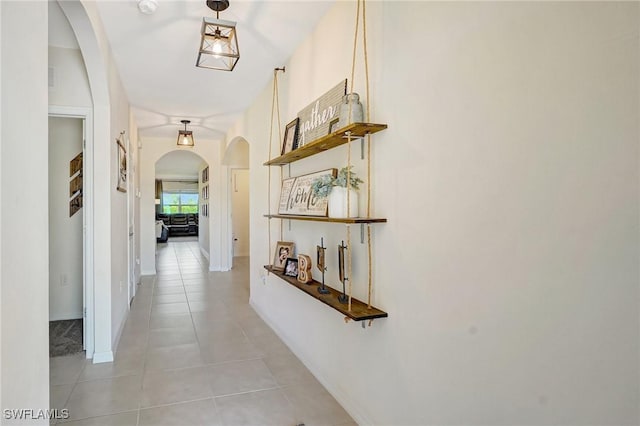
<point x="360" y="4"/>
<point x="275" y="110"/>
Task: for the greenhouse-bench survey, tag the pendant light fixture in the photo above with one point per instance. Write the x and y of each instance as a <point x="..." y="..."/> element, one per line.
<point x="218" y="42"/>
<point x="185" y="137"/>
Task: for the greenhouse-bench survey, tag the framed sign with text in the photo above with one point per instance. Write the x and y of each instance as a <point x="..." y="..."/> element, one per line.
<point x="296" y="196"/>
<point x="316" y="118"/>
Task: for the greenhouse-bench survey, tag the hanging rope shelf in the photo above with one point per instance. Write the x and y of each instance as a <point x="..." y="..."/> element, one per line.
<point x="353" y="309"/>
<point x="332" y="140"/>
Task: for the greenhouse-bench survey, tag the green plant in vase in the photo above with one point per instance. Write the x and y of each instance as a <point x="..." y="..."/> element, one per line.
<point x="335" y="189"/>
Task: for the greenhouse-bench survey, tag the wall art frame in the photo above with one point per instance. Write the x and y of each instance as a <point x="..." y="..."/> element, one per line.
<point x="290" y="141"/>
<point x="284" y="250"/>
<point x="291" y="267"/>
<point x="122" y="164"/>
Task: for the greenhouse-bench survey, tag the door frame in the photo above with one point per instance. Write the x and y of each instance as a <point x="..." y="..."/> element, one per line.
<point x="132" y="196"/>
<point x="85" y="114"/>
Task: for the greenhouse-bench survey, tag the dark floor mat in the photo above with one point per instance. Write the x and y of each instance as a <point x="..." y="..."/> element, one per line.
<point x="65" y="337"/>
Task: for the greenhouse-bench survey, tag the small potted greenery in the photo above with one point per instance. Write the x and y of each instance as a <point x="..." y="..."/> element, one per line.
<point x="335" y="190"/>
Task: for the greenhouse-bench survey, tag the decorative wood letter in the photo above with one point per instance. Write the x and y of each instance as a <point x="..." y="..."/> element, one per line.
<point x="304" y="268"/>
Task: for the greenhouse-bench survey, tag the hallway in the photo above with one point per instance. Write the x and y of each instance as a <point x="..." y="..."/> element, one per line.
<point x="193" y="352"/>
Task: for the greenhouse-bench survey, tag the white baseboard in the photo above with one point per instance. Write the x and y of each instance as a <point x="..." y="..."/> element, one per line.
<point x="100" y="357"/>
<point x="218" y="269"/>
<point x="66" y="316"/>
<point x="204" y="253"/>
<point x="343" y="399"/>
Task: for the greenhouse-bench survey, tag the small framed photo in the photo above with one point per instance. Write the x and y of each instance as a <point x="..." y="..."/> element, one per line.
<point x="291" y="267"/>
<point x="284" y="250"/>
<point x="290" y="137"/>
<point x="333" y="125"/>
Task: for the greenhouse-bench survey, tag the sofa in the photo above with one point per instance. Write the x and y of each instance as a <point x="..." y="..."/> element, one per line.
<point x="180" y="223"/>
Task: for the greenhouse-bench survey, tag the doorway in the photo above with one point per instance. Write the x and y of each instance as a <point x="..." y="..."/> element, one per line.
<point x="67" y="328"/>
<point x="236" y="158"/>
<point x="240" y="212"/>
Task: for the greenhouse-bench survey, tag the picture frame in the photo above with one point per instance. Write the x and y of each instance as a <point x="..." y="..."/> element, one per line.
<point x="205" y="175"/>
<point x="291" y="267"/>
<point x="296" y="196"/>
<point x="290" y="141"/>
<point x="333" y="125"/>
<point x="122" y="164"/>
<point x="320" y="252"/>
<point x="284" y="250"/>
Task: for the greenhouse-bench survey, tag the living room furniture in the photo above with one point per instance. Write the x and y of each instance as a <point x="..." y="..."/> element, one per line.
<point x="180" y="223"/>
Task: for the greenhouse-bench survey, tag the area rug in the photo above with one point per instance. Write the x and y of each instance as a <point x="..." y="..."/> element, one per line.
<point x="65" y="337"/>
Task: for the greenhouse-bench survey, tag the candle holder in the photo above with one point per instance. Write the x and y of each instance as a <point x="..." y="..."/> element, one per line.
<point x="321" y="266"/>
<point x="343" y="298"/>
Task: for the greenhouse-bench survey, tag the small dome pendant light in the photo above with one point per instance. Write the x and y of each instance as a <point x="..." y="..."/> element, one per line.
<point x="218" y="42"/>
<point x="185" y="137"/>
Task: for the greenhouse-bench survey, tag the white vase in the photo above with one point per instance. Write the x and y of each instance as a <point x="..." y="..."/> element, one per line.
<point x="338" y="203"/>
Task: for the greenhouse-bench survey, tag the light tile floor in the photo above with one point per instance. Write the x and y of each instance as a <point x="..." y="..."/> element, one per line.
<point x="193" y="352"/>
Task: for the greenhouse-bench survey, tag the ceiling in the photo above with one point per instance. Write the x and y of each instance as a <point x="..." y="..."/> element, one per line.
<point x="156" y="54"/>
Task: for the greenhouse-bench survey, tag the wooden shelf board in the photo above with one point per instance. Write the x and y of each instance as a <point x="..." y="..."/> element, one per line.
<point x="325" y="143"/>
<point x="327" y="219"/>
<point x="359" y="310"/>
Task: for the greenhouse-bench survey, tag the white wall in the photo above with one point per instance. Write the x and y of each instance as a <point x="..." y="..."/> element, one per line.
<point x="119" y="219"/>
<point x="108" y="221"/>
<point x="509" y="176"/>
<point x="134" y="212"/>
<point x="70" y="82"/>
<point x="65" y="233"/>
<point x="23" y="211"/>
<point x="240" y="211"/>
<point x="152" y="150"/>
<point x="1" y="258"/>
<point x="203" y="221"/>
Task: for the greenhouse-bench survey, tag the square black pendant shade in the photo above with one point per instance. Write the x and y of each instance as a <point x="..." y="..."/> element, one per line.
<point x="218" y="45"/>
<point x="185" y="137"/>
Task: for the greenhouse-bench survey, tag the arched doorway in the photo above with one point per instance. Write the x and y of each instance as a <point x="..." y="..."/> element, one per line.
<point x="180" y="197"/>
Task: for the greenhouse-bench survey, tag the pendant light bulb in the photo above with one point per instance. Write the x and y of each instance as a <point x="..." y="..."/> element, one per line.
<point x="217" y="47"/>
